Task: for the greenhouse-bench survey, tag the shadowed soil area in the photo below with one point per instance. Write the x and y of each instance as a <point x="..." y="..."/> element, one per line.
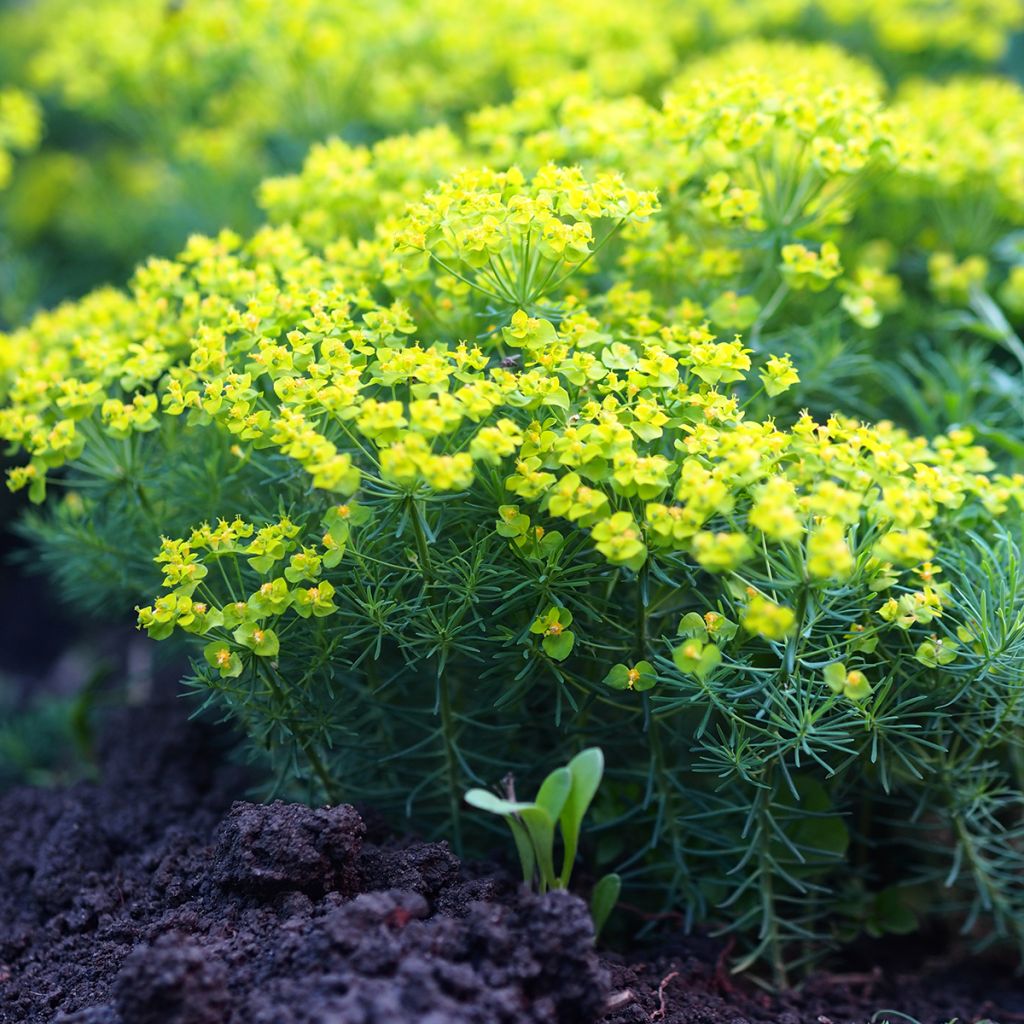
<point x="156" y="896"/>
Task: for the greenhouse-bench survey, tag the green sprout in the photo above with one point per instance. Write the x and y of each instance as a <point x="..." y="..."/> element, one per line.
<point x="561" y="803"/>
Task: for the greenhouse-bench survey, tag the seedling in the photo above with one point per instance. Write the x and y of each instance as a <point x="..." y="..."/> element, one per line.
<point x="561" y="803"/>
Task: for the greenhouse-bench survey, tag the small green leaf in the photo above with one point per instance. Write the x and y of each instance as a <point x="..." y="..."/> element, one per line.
<point x="646" y="679"/>
<point x="586" y="769"/>
<point x="617" y="677"/>
<point x="835" y="676"/>
<point x="485" y="800"/>
<point x="554" y="791"/>
<point x="710" y="659"/>
<point x="603" y="899"/>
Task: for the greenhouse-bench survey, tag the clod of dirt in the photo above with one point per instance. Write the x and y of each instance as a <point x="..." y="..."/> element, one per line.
<point x="152" y="898"/>
<point x="174" y="981"/>
<point x="283" y="847"/>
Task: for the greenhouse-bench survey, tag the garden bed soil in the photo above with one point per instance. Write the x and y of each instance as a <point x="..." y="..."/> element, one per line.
<point x="154" y="897"/>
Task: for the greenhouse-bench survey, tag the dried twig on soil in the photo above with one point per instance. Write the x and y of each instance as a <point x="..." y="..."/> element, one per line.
<point x="659" y="1014"/>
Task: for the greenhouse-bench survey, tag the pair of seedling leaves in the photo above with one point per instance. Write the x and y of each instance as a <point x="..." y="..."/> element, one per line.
<point x="561" y="804"/>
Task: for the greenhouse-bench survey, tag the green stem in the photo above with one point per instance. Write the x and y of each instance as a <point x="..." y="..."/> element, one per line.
<point x="546" y="287"/>
<point x="666" y="798"/>
<point x="769" y="920"/>
<point x="451" y="765"/>
<point x="475" y="285"/>
<point x="330" y="788"/>
<point x="643" y="578"/>
<point x="422" y="548"/>
<point x="320" y="771"/>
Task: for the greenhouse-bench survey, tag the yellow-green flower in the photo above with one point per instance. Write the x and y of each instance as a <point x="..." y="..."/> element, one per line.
<point x="553" y="626"/>
<point x="852" y="684"/>
<point x="639" y="677"/>
<point x="619" y="539"/>
<point x="768" y="619"/>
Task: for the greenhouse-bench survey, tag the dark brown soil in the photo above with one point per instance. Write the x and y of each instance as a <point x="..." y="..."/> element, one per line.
<point x="151" y="897"/>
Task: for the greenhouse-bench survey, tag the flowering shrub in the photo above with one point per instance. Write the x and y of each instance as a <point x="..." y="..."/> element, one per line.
<point x="501" y="442"/>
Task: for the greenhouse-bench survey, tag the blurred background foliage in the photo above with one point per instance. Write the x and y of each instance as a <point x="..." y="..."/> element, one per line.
<point x="126" y="126"/>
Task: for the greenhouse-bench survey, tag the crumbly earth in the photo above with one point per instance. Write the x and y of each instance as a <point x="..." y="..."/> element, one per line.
<point x="154" y="897"/>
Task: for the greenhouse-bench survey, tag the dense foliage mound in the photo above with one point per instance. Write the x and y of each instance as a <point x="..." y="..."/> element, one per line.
<point x="494" y="445"/>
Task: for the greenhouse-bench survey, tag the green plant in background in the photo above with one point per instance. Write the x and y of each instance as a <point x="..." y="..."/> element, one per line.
<point x="162" y="117"/>
<point x="565" y="428"/>
<point x="561" y="803"/>
<point x="20" y="129"/>
<point x="20" y="132"/>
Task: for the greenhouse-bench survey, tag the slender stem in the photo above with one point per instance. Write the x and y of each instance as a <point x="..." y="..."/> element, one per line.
<point x="668" y="813"/>
<point x="320" y="770"/>
<point x="769" y="921"/>
<point x="227" y="582"/>
<point x="578" y="266"/>
<point x="642" y="636"/>
<point x="316" y="763"/>
<point x="451" y="765"/>
<point x="465" y="280"/>
<point x="422" y="548"/>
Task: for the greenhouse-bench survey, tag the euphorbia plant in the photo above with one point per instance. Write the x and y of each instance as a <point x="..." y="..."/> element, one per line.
<point x="439" y="500"/>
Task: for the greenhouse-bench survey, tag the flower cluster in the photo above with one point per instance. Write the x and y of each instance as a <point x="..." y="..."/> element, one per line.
<point x="966" y="134"/>
<point x="515" y="241"/>
<point x="791" y="148"/>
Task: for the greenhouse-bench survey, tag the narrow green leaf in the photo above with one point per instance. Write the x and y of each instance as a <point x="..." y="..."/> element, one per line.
<point x="524" y="846"/>
<point x="554" y="791"/>
<point x="541" y="827"/>
<point x="485" y="800"/>
<point x="587" y="769"/>
<point x="603" y="900"/>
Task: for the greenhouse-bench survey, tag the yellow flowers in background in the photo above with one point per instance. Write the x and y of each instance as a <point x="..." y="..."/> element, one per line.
<point x="165" y="116"/>
<point x="20" y="129"/>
